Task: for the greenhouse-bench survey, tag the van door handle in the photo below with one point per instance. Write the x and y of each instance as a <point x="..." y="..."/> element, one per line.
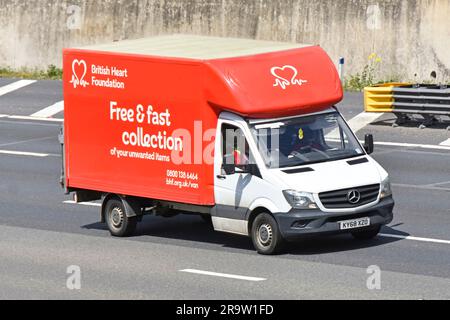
<point x="221" y="177"/>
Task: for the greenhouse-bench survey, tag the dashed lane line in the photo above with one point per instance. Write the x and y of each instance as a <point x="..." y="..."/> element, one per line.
<point x="89" y="204"/>
<point x="28" y="154"/>
<point x="356" y="123"/>
<point x="26" y="141"/>
<point x="389" y="235"/>
<point x="49" y="111"/>
<point x="16" y="117"/>
<point x="363" y="119"/>
<point x="222" y="275"/>
<point x="445" y="143"/>
<point x="15" y="86"/>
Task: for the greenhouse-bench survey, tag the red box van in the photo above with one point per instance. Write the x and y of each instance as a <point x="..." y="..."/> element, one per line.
<point x="242" y="132"/>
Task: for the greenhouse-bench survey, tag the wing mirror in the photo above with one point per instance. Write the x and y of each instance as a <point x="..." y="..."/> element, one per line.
<point x="368" y="143"/>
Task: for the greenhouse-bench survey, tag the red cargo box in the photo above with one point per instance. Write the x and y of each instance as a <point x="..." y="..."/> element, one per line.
<point x="135" y="109"/>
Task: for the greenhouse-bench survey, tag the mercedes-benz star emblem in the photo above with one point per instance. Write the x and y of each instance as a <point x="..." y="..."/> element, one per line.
<point x="353" y="196"/>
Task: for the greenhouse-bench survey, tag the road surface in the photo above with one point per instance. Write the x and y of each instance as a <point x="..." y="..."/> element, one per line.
<point x="42" y="233"/>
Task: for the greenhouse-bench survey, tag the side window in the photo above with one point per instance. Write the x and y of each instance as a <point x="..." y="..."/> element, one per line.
<point x="235" y="145"/>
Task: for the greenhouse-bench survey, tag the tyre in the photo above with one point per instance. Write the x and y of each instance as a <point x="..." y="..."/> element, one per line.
<point x="119" y="224"/>
<point x="266" y="235"/>
<point x="207" y="218"/>
<point x="366" y="234"/>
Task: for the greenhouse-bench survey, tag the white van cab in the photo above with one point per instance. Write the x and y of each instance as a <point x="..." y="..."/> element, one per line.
<point x="302" y="175"/>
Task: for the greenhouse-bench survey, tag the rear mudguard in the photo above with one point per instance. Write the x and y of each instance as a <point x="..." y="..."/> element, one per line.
<point x="132" y="206"/>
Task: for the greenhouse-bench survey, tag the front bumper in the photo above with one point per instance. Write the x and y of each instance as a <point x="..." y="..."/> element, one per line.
<point x="299" y="223"/>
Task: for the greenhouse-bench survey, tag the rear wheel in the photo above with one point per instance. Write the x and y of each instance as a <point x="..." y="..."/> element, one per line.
<point x="119" y="224"/>
<point x="266" y="235"/>
<point x="366" y="234"/>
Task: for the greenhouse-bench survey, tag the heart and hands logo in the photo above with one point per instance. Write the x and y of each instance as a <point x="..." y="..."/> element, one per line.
<point x="286" y="76"/>
<point x="79" y="70"/>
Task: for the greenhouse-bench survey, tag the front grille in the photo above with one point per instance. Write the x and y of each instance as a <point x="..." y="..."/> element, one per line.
<point x="339" y="199"/>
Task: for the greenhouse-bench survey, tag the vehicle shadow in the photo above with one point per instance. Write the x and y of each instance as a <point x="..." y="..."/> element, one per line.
<point x="191" y="228"/>
<point x="339" y="243"/>
<point x="194" y="229"/>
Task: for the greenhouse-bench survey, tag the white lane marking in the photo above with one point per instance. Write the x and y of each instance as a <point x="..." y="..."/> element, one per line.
<point x="356" y="123"/>
<point x="437" y="184"/>
<point x="223" y="275"/>
<point x="362" y="120"/>
<point x="31" y="123"/>
<point x="15" y="86"/>
<point x="411" y="145"/>
<point x="14" y="117"/>
<point x="388" y="235"/>
<point x="329" y="137"/>
<point x="90" y="204"/>
<point x="49" y="111"/>
<point x="26" y="141"/>
<point x="28" y="154"/>
<point x="423" y="187"/>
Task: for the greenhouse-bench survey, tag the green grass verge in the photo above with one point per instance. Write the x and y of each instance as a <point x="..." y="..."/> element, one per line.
<point x="52" y="73"/>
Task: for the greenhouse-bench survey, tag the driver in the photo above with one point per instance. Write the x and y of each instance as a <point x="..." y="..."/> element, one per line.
<point x="241" y="157"/>
<point x="305" y="138"/>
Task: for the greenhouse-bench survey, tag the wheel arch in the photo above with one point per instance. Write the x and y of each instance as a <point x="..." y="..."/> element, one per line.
<point x="132" y="205"/>
<point x="258" y="206"/>
<point x="253" y="214"/>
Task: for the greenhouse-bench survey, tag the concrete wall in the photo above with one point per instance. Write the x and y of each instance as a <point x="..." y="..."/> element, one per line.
<point x="411" y="36"/>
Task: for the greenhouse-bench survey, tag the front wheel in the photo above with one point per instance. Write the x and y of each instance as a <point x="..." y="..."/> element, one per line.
<point x="266" y="235"/>
<point x="366" y="234"/>
<point x="119" y="224"/>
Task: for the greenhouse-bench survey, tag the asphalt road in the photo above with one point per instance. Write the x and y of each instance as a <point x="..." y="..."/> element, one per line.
<point x="40" y="235"/>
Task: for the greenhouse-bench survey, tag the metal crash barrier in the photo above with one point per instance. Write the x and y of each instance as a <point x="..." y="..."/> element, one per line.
<point x="406" y="101"/>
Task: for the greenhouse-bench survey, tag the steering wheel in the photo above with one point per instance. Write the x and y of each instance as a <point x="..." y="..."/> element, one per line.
<point x="299" y="155"/>
<point x="321" y="152"/>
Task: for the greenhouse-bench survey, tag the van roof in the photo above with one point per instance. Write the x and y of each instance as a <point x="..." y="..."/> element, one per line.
<point x="257" y="79"/>
<point x="194" y="47"/>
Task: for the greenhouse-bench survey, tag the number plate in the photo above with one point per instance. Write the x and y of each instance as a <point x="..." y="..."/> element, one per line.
<point x="356" y="223"/>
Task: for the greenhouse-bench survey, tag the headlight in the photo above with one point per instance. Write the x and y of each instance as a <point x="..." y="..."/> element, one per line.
<point x="386" y="190"/>
<point x="300" y="200"/>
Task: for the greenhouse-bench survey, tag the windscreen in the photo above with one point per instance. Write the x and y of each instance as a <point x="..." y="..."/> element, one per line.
<point x="305" y="140"/>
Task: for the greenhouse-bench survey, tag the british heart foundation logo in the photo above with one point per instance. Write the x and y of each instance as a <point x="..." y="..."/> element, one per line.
<point x="79" y="71"/>
<point x="286" y="76"/>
